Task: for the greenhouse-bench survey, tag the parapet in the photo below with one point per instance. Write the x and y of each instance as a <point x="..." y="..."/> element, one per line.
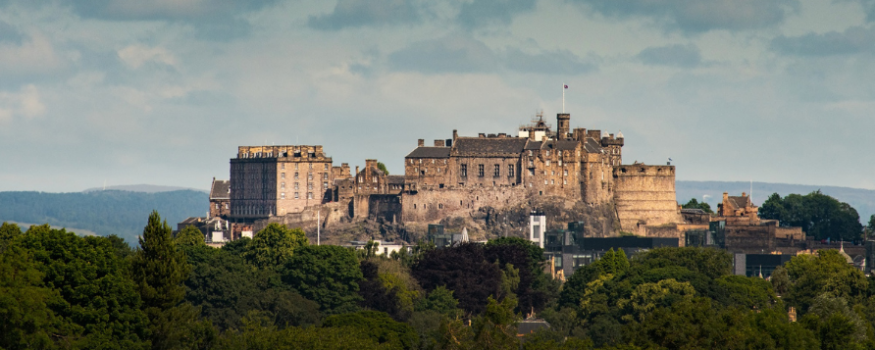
<point x="644" y="170"/>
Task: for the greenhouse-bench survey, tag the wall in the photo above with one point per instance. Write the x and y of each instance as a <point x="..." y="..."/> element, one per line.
<point x="645" y="196"/>
<point x="430" y="206"/>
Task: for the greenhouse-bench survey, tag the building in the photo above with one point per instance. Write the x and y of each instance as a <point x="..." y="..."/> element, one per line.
<point x="277" y="180"/>
<point x="220" y="198"/>
<point x="455" y="177"/>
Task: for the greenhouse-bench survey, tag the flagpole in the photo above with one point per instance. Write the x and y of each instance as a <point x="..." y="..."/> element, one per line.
<point x="563" y="97"/>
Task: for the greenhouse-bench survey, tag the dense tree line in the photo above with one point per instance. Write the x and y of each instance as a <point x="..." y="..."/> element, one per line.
<point x="819" y="215"/>
<point x="276" y="291"/>
<point x="103" y="212"/>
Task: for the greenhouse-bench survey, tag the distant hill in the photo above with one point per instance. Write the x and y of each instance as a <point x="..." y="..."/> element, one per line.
<point x="861" y="199"/>
<point x="144" y="188"/>
<point x="104" y="212"/>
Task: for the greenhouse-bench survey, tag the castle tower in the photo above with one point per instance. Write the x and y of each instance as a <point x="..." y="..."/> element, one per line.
<point x="563" y="125"/>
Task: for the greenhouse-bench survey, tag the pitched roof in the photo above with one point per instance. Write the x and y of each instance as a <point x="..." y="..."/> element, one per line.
<point x="396" y="179"/>
<point x="740" y="201"/>
<point x="430" y="152"/>
<point x="221" y="189"/>
<point x="592" y="146"/>
<point x="489" y="146"/>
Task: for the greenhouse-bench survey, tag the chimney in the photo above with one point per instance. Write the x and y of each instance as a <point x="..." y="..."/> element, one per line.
<point x="439" y="143"/>
<point x="449" y="143"/>
<point x="455" y="134"/>
<point x="356" y="169"/>
<point x="481" y="135"/>
<point x="421" y="142"/>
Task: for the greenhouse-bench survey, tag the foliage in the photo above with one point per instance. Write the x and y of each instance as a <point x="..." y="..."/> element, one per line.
<point x="819" y="215"/>
<point x="103" y="212"/>
<point x="827" y="272"/>
<point x="837" y="326"/>
<point x="382" y="167"/>
<point x="462" y="268"/>
<point x="377" y="326"/>
<point x="440" y="300"/>
<point x="274" y="245"/>
<point x="694" y="204"/>
<point x="258" y="333"/>
<point x="189" y="235"/>
<point x="227" y="289"/>
<point x="328" y="275"/>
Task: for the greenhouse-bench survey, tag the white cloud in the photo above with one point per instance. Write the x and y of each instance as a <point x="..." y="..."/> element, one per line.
<point x="36" y="56"/>
<point x="25" y="103"/>
<point x="136" y="55"/>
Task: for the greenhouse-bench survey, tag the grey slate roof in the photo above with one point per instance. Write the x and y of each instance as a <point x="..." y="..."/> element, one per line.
<point x="592" y="146"/>
<point x="430" y="152"/>
<point x="489" y="146"/>
<point x="396" y="179"/>
<point x="739" y="201"/>
<point x="221" y="189"/>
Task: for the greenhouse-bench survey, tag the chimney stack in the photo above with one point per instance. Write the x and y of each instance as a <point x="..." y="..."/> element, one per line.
<point x="421" y="142"/>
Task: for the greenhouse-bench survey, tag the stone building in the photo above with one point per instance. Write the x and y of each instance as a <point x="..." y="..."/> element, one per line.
<point x="457" y="176"/>
<point x="277" y="180"/>
<point x="220" y="198"/>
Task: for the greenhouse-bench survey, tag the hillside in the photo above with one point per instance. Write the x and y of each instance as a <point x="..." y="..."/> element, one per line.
<point x="107" y="212"/>
<point x="861" y="199"/>
<point x="143" y="188"/>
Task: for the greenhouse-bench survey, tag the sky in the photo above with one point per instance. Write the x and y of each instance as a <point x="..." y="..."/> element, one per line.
<point x="162" y="92"/>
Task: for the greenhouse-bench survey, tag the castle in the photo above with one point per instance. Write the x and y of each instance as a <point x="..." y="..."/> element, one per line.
<point x="459" y="176"/>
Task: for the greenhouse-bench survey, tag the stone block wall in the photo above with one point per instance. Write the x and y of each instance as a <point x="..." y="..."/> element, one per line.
<point x="645" y="196"/>
<point x="430" y="206"/>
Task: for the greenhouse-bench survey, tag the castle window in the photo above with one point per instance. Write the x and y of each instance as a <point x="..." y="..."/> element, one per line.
<point x="296" y="195"/>
<point x="374" y="180"/>
<point x="326" y="166"/>
<point x="296" y="165"/>
<point x="497" y="170"/>
<point x="553" y="173"/>
<point x="226" y="205"/>
<point x="440" y="206"/>
<point x="530" y="153"/>
<point x="282" y="175"/>
<point x="432" y="161"/>
<point x="414" y="206"/>
<point x="296" y="174"/>
<point x="480" y="170"/>
<point x="309" y="195"/>
<point x="283" y="195"/>
<point x="560" y="163"/>
<point x="548" y="162"/>
<point x="551" y="182"/>
<point x="463" y="171"/>
<point x="547" y="153"/>
<point x="217" y="206"/>
<point x="531" y="163"/>
<point x="310" y="164"/>
<point x="283" y="185"/>
<point x="510" y="171"/>
<point x="324" y="185"/>
<point x="564" y="181"/>
<point x="545" y="182"/>
<point x="296" y="185"/>
<point x="566" y="172"/>
<point x="309" y="186"/>
<point x="325" y="176"/>
<point x="531" y="172"/>
<point x="283" y="166"/>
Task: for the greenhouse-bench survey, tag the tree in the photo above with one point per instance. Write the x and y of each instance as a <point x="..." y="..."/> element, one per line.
<point x="328" y="275"/>
<point x="694" y="204"/>
<point x="190" y="236"/>
<point x="819" y="215"/>
<point x="94" y="302"/>
<point x="159" y="269"/>
<point x="382" y="168"/>
<point x="827" y="272"/>
<point x="273" y="245"/>
<point x="440" y="300"/>
<point x="871" y="225"/>
<point x="378" y="326"/>
<point x="462" y="268"/>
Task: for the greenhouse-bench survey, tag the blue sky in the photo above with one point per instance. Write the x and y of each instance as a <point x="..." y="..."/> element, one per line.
<point x="162" y="92"/>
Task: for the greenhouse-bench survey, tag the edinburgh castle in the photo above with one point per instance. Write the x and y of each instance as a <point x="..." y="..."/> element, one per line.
<point x="486" y="183"/>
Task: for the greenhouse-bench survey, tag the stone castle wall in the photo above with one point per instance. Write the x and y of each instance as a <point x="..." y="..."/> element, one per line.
<point x="645" y="196"/>
<point x="430" y="206"/>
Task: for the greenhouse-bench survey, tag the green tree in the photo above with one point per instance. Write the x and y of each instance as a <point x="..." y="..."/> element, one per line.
<point x="189" y="235"/>
<point x="695" y="204"/>
<point x="328" y="275"/>
<point x="439" y="299"/>
<point x="159" y="269"/>
<point x="835" y="324"/>
<point x="26" y="321"/>
<point x="378" y="326"/>
<point x="819" y="215"/>
<point x="382" y="168"/>
<point x="827" y="272"/>
<point x="274" y="245"/>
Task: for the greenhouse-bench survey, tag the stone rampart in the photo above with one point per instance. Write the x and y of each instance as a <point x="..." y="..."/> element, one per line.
<point x="645" y="196"/>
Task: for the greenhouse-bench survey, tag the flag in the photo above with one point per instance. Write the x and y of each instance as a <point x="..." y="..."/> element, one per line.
<point x="566" y="86"/>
